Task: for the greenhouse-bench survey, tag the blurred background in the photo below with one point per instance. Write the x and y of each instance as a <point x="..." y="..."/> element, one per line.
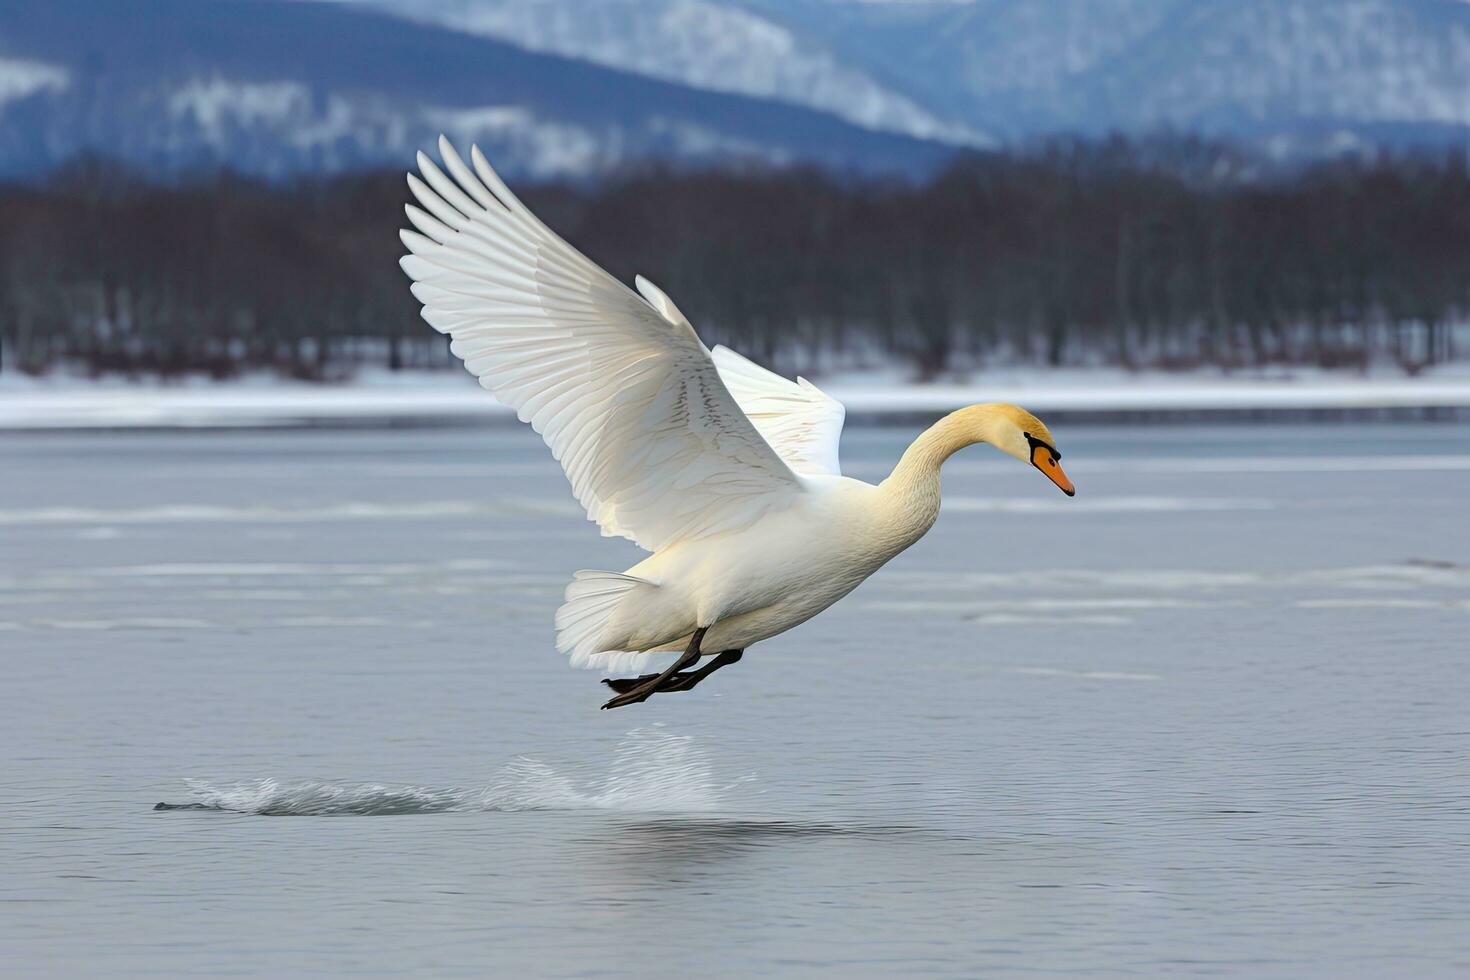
<point x="265" y="548"/>
<point x="1248" y="203"/>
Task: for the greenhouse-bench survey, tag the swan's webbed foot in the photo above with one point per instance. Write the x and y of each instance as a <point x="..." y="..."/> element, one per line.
<point x="635" y="696"/>
<point x="678" y="681"/>
<point x="643" y="687"/>
<point x="625" y="684"/>
<point x="685" y="680"/>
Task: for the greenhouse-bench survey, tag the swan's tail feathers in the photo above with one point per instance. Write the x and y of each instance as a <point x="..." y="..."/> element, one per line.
<point x="583" y="621"/>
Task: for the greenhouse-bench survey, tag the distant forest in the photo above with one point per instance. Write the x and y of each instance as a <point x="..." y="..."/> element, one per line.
<point x="1078" y="255"/>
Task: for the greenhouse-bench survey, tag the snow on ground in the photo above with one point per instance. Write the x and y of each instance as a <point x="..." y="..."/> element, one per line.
<point x="65" y="402"/>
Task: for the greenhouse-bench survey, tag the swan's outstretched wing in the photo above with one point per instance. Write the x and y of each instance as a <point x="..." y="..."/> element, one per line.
<point x="620" y="388"/>
<point x="798" y="419"/>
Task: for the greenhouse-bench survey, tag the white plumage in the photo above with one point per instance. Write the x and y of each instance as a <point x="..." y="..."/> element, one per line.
<point x="629" y="402"/>
<point x="801" y="423"/>
<point x="728" y="473"/>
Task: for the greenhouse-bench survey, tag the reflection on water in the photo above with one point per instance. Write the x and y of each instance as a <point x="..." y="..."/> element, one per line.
<point x="1207" y="718"/>
<point x="669" y="850"/>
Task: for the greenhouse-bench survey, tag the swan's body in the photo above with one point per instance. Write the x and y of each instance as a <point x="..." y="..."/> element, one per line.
<point x="751" y="584"/>
<point x="728" y="474"/>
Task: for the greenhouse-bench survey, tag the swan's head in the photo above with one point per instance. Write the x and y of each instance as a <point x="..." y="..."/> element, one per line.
<point x="1018" y="433"/>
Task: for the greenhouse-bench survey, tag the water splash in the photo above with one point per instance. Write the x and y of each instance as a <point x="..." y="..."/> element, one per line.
<point x="651" y="771"/>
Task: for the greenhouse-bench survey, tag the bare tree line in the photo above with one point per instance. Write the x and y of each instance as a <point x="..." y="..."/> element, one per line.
<point x="1075" y="256"/>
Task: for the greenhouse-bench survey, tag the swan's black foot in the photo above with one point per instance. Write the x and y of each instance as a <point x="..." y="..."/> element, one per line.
<point x="634" y="695"/>
<point x="643" y="687"/>
<point x="625" y="684"/>
<point x="686" y="680"/>
<point x="680" y="681"/>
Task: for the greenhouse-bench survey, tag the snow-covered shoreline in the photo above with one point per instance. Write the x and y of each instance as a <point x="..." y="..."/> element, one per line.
<point x="63" y="403"/>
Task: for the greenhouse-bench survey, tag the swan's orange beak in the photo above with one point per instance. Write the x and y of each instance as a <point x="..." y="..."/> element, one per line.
<point x="1045" y="460"/>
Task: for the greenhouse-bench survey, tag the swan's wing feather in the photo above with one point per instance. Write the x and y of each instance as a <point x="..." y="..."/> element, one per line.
<point x="800" y="421"/>
<point x="622" y="390"/>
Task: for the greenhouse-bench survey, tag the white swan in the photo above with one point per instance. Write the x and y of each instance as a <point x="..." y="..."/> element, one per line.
<point x="726" y="472"/>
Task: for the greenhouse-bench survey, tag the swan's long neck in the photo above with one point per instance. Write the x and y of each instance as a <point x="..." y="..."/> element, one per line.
<point x="911" y="491"/>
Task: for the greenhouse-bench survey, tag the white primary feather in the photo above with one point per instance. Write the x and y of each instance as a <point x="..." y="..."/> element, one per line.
<point x="800" y="421"/>
<point x="622" y="390"/>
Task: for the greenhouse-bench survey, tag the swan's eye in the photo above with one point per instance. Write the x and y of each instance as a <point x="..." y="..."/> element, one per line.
<point x="1036" y="444"/>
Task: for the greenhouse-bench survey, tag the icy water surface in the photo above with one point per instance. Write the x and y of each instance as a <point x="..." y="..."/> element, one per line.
<point x="1210" y="717"/>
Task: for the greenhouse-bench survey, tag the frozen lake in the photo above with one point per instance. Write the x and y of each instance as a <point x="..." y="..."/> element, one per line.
<point x="1211" y="716"/>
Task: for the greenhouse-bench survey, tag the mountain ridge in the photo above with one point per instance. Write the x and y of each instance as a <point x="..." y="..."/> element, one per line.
<point x="278" y="88"/>
<point x="994" y="72"/>
<point x="578" y="88"/>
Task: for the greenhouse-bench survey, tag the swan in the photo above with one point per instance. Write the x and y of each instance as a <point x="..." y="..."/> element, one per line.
<point x="726" y="473"/>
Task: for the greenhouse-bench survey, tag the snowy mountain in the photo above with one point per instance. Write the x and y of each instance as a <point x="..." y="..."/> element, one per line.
<point x="1259" y="70"/>
<point x="277" y="88"/>
<point x="710" y="44"/>
<point x="576" y="87"/>
<point x="1293" y="77"/>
